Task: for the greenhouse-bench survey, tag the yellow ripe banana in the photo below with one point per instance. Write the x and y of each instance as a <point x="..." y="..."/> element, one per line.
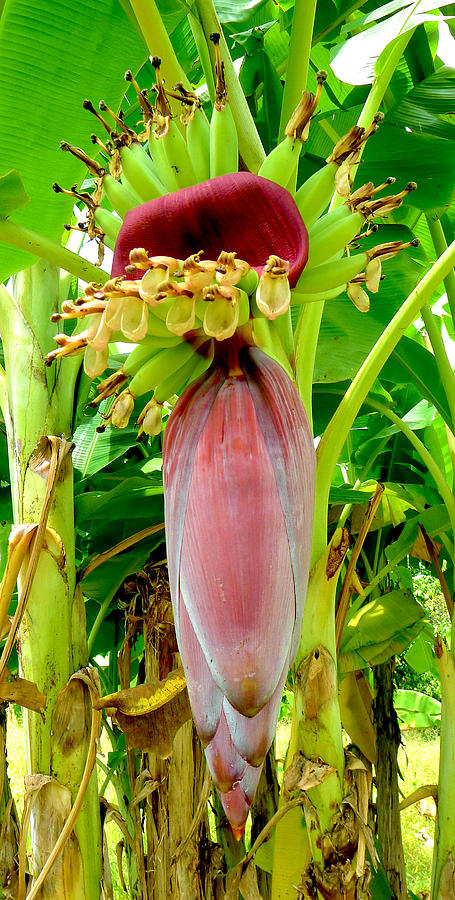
<point x="224" y="142"/>
<point x="147" y="185"/>
<point x="198" y="143"/>
<point x="110" y="224"/>
<point x="282" y="162"/>
<point x="121" y="197"/>
<point x="160" y="366"/>
<point x="331" y="274"/>
<point x="315" y="193"/>
<point x="189" y="371"/>
<point x="329" y="241"/>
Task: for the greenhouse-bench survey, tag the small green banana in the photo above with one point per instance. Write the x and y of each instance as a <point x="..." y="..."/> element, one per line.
<point x="224" y="142"/>
<point x="160" y="366"/>
<point x="139" y="176"/>
<point x="329" y="241"/>
<point x="198" y="143"/>
<point x="331" y="275"/>
<point x="314" y="195"/>
<point x="145" y="159"/>
<point x="121" y="198"/>
<point x="161" y="163"/>
<point x="297" y="297"/>
<point x="267" y="339"/>
<point x="110" y="224"/>
<point x="329" y="220"/>
<point x="157" y="326"/>
<point x="138" y="356"/>
<point x="177" y="156"/>
<point x="189" y="371"/>
<point x="282" y="163"/>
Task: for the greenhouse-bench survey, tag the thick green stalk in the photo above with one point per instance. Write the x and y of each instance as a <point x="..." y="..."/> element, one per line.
<point x="306" y="341"/>
<point x="250" y="146"/>
<point x="52" y="634"/>
<point x="382" y="80"/>
<point x="445" y="370"/>
<point x="298" y="60"/>
<point x="443" y="875"/>
<point x="337" y="430"/>
<point x="440" y="245"/>
<point x="158" y="41"/>
<point x="316" y="724"/>
<point x="204" y="55"/>
<point x="36" y="244"/>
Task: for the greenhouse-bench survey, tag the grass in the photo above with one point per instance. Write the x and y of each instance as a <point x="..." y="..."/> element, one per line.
<point x="418" y="759"/>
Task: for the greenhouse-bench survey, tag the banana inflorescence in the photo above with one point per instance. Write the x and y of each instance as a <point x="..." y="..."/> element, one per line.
<point x="178" y="310"/>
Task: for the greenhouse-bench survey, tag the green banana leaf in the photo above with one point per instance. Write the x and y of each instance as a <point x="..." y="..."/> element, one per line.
<point x="427" y="106"/>
<point x="52" y="56"/>
<point x="420" y="655"/>
<point x="417" y="710"/>
<point x="380" y="629"/>
<point x="361" y="56"/>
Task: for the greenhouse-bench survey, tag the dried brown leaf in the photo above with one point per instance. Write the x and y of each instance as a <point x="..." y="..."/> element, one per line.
<point x="304" y="774"/>
<point x="155" y="731"/>
<point x="145" y="698"/>
<point x="24" y="693"/>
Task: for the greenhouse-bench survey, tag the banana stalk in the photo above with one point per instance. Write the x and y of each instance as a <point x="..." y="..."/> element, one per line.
<point x="52" y="644"/>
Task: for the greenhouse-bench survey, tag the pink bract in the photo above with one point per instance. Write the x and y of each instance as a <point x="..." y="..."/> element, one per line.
<point x="241" y="212"/>
<point x="238" y="468"/>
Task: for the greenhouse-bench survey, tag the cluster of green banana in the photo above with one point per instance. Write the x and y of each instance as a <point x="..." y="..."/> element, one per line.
<point x="177" y="308"/>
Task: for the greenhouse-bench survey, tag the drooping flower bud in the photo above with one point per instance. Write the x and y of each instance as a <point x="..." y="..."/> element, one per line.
<point x="238" y="467"/>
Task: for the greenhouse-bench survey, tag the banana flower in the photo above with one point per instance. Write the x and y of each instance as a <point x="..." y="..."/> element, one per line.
<point x="238" y="468"/>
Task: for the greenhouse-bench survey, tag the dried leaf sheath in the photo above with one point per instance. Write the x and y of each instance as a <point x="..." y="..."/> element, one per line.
<point x="238" y="476"/>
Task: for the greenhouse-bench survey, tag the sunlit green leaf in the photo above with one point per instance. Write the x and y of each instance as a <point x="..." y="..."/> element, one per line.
<point x="52" y="56"/>
<point x="417" y="710"/>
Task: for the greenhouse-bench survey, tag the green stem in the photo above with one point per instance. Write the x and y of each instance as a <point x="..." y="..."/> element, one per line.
<point x="250" y="146"/>
<point x="98" y="621"/>
<point x="158" y="40"/>
<point x="306" y="341"/>
<point x="381" y="81"/>
<point x="336" y="432"/>
<point x="445" y="370"/>
<point x="51" y="645"/>
<point x="204" y="55"/>
<point x="445" y="827"/>
<point x="298" y="60"/>
<point x="38" y="245"/>
<point x="440" y="245"/>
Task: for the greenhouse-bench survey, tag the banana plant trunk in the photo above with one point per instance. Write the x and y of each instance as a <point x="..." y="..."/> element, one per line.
<point x="9" y="823"/>
<point x="37" y="404"/>
<point x="388" y="800"/>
